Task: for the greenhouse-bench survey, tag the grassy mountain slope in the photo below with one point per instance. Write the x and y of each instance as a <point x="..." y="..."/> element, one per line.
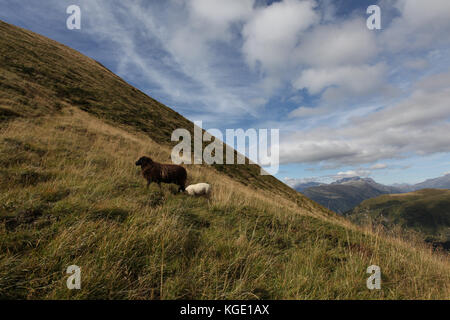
<point x="30" y="87"/>
<point x="70" y="132"/>
<point x="426" y="211"/>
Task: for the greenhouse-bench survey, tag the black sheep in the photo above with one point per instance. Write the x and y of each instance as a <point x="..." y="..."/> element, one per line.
<point x="157" y="172"/>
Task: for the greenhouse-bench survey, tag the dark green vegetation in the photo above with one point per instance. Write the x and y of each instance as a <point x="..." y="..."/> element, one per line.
<point x="70" y="132"/>
<point x="425" y="211"/>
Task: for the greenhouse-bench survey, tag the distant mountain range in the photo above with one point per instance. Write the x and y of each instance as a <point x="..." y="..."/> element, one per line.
<point x="345" y="194"/>
<point x="436" y="183"/>
<point x="302" y="186"/>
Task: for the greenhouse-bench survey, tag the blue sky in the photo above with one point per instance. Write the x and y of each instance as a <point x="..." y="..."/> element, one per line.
<point x="347" y="100"/>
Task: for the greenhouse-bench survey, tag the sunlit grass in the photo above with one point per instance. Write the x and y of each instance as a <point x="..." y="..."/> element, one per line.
<point x="71" y="194"/>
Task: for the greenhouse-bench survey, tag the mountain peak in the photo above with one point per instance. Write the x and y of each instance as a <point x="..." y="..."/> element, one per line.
<point x="343" y="180"/>
<point x="356" y="178"/>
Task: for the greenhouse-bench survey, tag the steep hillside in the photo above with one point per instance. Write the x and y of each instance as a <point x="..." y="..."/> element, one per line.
<point x="70" y="132"/>
<point x="426" y="211"/>
<point x="343" y="195"/>
<point x="30" y="87"/>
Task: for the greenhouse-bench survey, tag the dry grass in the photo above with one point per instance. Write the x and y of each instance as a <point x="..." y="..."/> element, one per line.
<point x="70" y="194"/>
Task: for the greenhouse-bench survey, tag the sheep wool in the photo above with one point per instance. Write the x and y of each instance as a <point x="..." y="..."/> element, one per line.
<point x="199" y="189"/>
<point x="157" y="172"/>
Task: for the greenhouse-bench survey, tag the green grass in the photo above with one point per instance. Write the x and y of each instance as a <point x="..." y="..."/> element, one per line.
<point x="92" y="210"/>
<point x="41" y="77"/>
<point x="71" y="194"/>
<point x="425" y="211"/>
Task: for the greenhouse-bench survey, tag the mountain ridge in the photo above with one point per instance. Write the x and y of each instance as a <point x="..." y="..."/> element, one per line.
<point x="70" y="133"/>
<point x="344" y="194"/>
<point x="442" y="182"/>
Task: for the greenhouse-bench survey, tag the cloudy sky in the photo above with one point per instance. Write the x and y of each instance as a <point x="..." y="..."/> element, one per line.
<point x="347" y="100"/>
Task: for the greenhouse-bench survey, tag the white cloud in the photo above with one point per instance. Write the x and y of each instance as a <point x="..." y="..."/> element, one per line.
<point x="203" y="22"/>
<point x="296" y="182"/>
<point x="301" y="112"/>
<point x="338" y="63"/>
<point x="272" y="33"/>
<point x="336" y="44"/>
<point x="220" y="14"/>
<point x="378" y="166"/>
<point x="217" y="55"/>
<point x="173" y="48"/>
<point x="353" y="173"/>
<point x="325" y="179"/>
<point x="416" y="64"/>
<point x="421" y="24"/>
<point x="286" y="42"/>
<point x="353" y="79"/>
<point x="416" y="125"/>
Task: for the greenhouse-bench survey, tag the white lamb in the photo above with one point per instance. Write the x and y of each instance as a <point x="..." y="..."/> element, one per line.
<point x="199" y="189"/>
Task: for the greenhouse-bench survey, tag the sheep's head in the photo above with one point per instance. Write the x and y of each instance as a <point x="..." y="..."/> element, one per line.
<point x="144" y="161"/>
